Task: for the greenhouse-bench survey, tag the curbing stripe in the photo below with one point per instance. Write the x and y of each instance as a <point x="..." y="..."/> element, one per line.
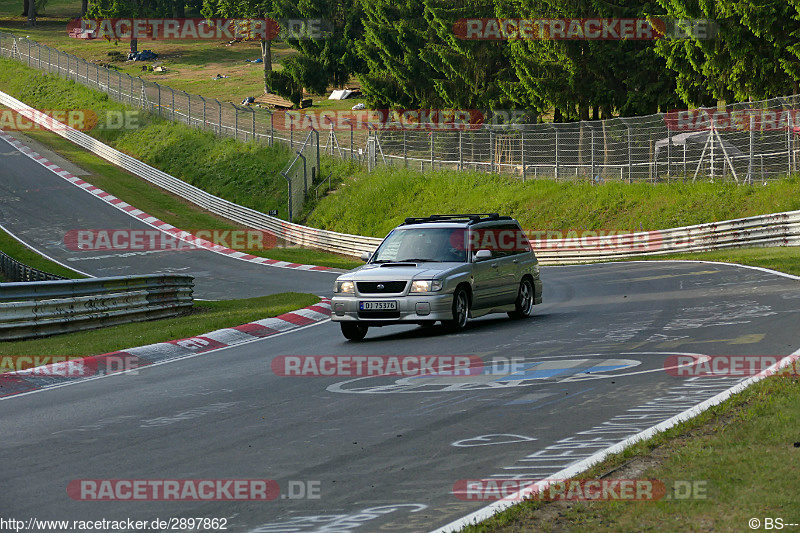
<point x="148" y="219"/>
<point x="44" y="377"/>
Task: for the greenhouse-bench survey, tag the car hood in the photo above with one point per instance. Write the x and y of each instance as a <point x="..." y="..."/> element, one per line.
<point x="398" y="271"/>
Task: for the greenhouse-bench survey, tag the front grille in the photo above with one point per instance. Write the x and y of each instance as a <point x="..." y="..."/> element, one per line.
<point x="379" y="314"/>
<point x="389" y="287"/>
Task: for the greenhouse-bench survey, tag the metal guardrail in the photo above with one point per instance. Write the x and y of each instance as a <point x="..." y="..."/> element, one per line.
<point x="13" y="270"/>
<point x="29" y="310"/>
<point x="778" y="229"/>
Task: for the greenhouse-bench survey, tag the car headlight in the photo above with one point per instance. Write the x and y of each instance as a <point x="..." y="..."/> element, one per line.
<point x="344" y="287"/>
<point x="426" y="285"/>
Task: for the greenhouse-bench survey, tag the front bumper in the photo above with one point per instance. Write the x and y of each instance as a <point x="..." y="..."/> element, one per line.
<point x="411" y="308"/>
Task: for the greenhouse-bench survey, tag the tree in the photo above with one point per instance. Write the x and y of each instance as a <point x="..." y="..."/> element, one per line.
<point x="128" y="9"/>
<point x="246" y="9"/>
<point x="469" y="74"/>
<point x="579" y="77"/>
<point x="394" y="75"/>
<point x="334" y="53"/>
<point x="31" y="8"/>
<point x="754" y="54"/>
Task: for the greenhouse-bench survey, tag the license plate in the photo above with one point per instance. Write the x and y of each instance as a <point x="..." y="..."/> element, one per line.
<point x="390" y="305"/>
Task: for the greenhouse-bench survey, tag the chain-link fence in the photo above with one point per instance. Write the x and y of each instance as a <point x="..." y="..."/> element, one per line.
<point x="743" y="142"/>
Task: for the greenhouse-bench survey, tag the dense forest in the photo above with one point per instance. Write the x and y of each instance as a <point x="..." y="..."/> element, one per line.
<point x="416" y="54"/>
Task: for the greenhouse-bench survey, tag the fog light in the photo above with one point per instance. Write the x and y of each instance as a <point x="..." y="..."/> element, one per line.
<point x="423" y="308"/>
<point x="338" y="309"/>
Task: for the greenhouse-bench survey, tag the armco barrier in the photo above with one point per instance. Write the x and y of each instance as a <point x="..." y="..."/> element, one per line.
<point x="30" y="310"/>
<point x="778" y="229"/>
<point x="13" y="270"/>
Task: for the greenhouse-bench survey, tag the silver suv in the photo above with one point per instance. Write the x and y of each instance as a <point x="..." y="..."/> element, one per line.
<point x="444" y="268"/>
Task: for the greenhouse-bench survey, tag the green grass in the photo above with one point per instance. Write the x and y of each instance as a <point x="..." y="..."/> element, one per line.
<point x="15" y="249"/>
<point x="743" y="451"/>
<point x="372" y="204"/>
<point x="206" y="317"/>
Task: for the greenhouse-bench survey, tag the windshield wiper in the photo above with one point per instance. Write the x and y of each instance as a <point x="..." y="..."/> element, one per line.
<point x="418" y="260"/>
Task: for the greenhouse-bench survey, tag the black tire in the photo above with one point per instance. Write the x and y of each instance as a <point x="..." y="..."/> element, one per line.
<point x="354" y="331"/>
<point x="460" y="310"/>
<point x="523" y="306"/>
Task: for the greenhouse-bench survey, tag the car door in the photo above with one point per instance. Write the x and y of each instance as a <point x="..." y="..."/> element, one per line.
<point x="508" y="264"/>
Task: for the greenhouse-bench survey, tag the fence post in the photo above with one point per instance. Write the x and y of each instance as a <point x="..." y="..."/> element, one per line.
<point x="235" y="121"/>
<point x="432" y="134"/>
<point x="789" y="141"/>
<point x="203" y="124"/>
<point x="630" y="154"/>
<point x="669" y="154"/>
<point x="405" y="147"/>
<point x="253" y="111"/>
<point x="491" y="151"/>
<point x="316" y="136"/>
<point x="219" y="104"/>
<point x="591" y="128"/>
<point x="188" y="108"/>
<point x="159" y="99"/>
<point x="272" y="128"/>
<point x="460" y="150"/>
<point x="522" y="156"/>
<point x="557" y="162"/>
<point x="750" y="149"/>
<point x="173" y="103"/>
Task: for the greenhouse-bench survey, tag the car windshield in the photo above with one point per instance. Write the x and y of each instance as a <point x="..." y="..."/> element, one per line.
<point x="416" y="245"/>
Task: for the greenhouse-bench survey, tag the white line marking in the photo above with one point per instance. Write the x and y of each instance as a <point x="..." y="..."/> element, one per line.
<point x="581" y="466"/>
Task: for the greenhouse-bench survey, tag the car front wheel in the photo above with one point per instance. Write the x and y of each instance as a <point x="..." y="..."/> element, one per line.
<point x="354" y="331"/>
<point x="523" y="306"/>
<point x="460" y="310"/>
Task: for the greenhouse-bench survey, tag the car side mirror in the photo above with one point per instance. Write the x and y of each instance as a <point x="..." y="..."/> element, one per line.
<point x="482" y="255"/>
<point x="366" y="256"/>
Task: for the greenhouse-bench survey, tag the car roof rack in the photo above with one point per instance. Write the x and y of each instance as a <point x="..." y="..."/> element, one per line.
<point x="469" y="218"/>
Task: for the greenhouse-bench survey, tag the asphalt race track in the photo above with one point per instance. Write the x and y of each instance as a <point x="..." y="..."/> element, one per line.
<point x="384" y="454"/>
<point x="40" y="208"/>
<point x="375" y="453"/>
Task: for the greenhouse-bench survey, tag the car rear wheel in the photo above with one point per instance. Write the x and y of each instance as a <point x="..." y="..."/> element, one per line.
<point x="460" y="310"/>
<point x="354" y="331"/>
<point x="523" y="306"/>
